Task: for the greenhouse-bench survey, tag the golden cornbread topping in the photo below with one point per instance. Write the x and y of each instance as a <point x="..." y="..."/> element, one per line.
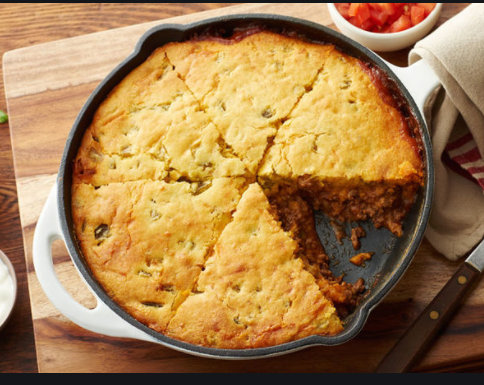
<point x="194" y="186"/>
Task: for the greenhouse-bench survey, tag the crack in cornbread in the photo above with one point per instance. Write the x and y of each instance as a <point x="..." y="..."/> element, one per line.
<point x="147" y="241"/>
<point x="194" y="186"/>
<point x="156" y="131"/>
<point x="255" y="292"/>
<point x="231" y="82"/>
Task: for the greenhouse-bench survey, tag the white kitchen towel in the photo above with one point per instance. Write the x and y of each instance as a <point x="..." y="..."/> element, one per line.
<point x="455" y="51"/>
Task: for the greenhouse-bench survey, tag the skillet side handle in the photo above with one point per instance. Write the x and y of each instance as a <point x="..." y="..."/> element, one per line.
<point x="420" y="81"/>
<point x="101" y="319"/>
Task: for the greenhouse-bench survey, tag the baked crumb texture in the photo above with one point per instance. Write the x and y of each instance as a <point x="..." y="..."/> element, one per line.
<point x="194" y="187"/>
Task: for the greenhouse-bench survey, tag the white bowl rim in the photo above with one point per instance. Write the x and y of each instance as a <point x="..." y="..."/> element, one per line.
<point x="387" y="36"/>
<point x="11" y="270"/>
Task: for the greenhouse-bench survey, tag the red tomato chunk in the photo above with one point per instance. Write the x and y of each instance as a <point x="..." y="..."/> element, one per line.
<point x="385" y="17"/>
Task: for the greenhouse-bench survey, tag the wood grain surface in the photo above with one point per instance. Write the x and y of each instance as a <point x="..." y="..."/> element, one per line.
<point x="46" y="84"/>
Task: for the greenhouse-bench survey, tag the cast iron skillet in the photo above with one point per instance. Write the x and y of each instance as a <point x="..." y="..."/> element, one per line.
<point x="393" y="255"/>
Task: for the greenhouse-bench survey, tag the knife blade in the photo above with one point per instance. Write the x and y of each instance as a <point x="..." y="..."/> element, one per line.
<point x="476" y="259"/>
<point x="422" y="333"/>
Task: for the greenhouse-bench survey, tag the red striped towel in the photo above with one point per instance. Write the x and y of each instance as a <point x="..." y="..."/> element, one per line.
<point x="463" y="157"/>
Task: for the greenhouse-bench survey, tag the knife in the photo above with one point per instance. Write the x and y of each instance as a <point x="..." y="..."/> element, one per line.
<point x="418" y="338"/>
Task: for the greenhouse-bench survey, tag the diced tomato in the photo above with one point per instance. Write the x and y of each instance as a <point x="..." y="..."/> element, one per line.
<point x="395" y="15"/>
<point x="386" y="29"/>
<point x="363" y="13"/>
<point x="385" y="17"/>
<point x="402" y="24"/>
<point x="378" y="18"/>
<point x="359" y="15"/>
<point x="387" y="8"/>
<point x="417" y="14"/>
<point x="429" y="7"/>
<point x="391" y="10"/>
<point x="367" y="25"/>
<point x="360" y="11"/>
<point x="353" y="9"/>
<point x="343" y="8"/>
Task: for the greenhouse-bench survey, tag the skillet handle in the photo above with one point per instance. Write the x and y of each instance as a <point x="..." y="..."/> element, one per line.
<point x="420" y="81"/>
<point x="101" y="319"/>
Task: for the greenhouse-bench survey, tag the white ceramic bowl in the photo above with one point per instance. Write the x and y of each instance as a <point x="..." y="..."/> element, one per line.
<point x="13" y="300"/>
<point x="385" y="42"/>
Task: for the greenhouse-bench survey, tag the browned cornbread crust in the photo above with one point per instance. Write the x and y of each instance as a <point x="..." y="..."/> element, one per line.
<point x="194" y="186"/>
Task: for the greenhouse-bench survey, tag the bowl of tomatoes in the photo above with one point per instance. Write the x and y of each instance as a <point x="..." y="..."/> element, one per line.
<point x="385" y="27"/>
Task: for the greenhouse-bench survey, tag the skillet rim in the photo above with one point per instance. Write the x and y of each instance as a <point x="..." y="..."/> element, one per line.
<point x="138" y="56"/>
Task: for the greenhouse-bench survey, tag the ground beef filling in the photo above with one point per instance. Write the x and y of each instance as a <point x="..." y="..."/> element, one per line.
<point x="385" y="205"/>
<point x="296" y="216"/>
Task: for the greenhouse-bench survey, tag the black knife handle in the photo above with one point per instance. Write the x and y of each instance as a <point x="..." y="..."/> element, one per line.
<point x="418" y="338"/>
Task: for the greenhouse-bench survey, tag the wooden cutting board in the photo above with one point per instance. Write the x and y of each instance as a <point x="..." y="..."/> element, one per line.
<point x="46" y="85"/>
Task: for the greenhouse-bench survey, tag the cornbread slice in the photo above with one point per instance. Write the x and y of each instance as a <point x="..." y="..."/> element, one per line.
<point x="248" y="86"/>
<point x="347" y="148"/>
<point x="151" y="127"/>
<point x="253" y="291"/>
<point x="146" y="242"/>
